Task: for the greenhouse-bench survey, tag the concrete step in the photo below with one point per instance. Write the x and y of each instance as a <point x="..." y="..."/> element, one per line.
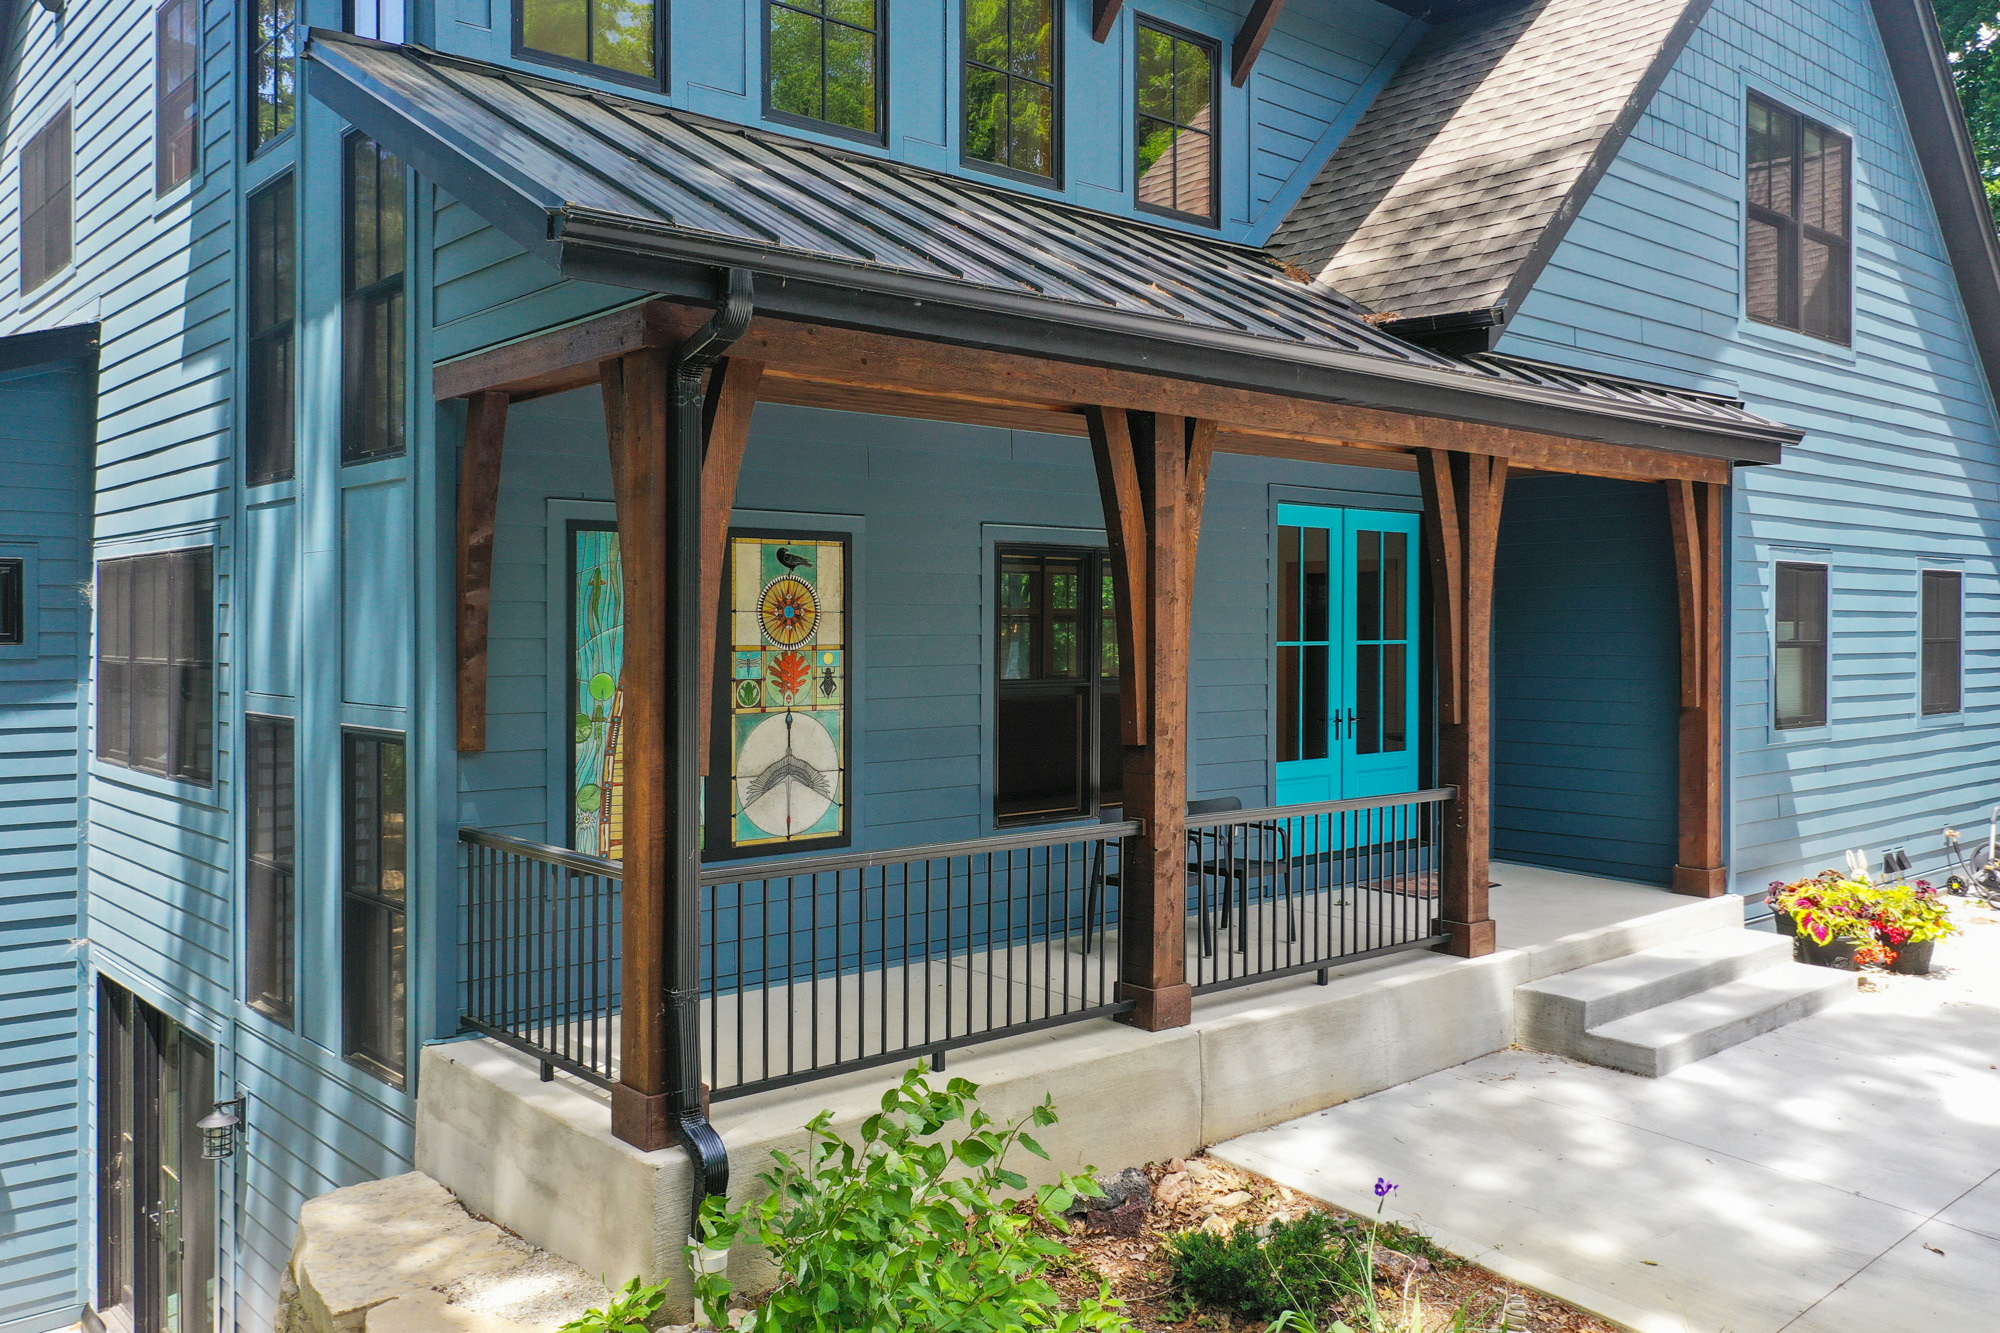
<point x="1660" y="1040"/>
<point x="1553" y="1014"/>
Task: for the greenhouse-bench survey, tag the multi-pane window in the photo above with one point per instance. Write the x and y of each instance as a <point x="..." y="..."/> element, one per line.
<point x="269" y="410"/>
<point x="616" y="37"/>
<point x="374" y="901"/>
<point x="13" y="601"/>
<point x="156" y="663"/>
<point x="380" y="19"/>
<point x="1059" y="754"/>
<point x="1010" y="84"/>
<point x="1797" y="249"/>
<point x="274" y="60"/>
<point x="825" y="63"/>
<point x="1176" y="125"/>
<point x="372" y="409"/>
<point x="176" y="62"/>
<point x="1944" y="636"/>
<point x="1802" y="645"/>
<point x="270" y="930"/>
<point x="45" y="202"/>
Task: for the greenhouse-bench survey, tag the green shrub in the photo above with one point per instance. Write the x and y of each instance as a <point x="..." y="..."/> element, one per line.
<point x="905" y="1231"/>
<point x="1303" y="1266"/>
<point x="630" y="1310"/>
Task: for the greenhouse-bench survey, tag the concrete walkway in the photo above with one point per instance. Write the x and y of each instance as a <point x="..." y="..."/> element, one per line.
<point x="1841" y="1175"/>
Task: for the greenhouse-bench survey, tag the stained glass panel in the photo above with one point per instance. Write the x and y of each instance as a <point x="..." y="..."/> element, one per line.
<point x="597" y="659"/>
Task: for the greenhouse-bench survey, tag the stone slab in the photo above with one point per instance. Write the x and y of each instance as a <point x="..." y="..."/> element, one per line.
<point x="427" y="1312"/>
<point x="1661" y="1040"/>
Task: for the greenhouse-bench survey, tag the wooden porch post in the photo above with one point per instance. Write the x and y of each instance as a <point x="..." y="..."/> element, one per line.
<point x="732" y="397"/>
<point x="1696" y="512"/>
<point x="1462" y="498"/>
<point x="478" y="507"/>
<point x="1153" y="478"/>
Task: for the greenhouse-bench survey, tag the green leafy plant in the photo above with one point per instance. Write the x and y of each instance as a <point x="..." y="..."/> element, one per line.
<point x="906" y="1231"/>
<point x="1302" y="1266"/>
<point x="630" y="1310"/>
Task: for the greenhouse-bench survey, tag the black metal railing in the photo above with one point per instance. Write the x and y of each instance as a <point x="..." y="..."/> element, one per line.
<point x="831" y="963"/>
<point x="542" y="935"/>
<point x="1303" y="888"/>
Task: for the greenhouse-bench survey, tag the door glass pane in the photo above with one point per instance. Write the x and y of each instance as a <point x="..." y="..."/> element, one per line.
<point x="1313" y="691"/>
<point x="1288" y="585"/>
<point x="1289" y="660"/>
<point x="1368" y="585"/>
<point x="1395" y="586"/>
<point x="1317" y="585"/>
<point x="196" y="1306"/>
<point x="1395" y="698"/>
<point x="176" y="1098"/>
<point x="1368" y="698"/>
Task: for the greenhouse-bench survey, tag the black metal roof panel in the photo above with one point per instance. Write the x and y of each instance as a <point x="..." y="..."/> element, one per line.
<point x="622" y="191"/>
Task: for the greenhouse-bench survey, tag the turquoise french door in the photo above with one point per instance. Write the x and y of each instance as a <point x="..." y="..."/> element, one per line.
<point x="1347" y="651"/>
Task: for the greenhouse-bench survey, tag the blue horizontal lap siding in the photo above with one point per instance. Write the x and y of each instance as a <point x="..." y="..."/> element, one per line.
<point x="1902" y="453"/>
<point x="44" y="442"/>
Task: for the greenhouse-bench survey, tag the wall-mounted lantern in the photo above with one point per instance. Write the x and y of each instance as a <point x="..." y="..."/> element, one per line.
<point x="219" y="1130"/>
<point x="53" y="6"/>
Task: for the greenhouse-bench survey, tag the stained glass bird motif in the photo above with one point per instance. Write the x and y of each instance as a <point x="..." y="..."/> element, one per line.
<point x="791" y="560"/>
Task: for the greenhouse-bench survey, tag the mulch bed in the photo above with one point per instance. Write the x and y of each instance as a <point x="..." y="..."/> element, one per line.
<point x="1203" y="1191"/>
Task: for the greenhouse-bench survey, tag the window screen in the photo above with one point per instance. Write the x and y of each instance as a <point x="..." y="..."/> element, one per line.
<point x="45" y="203"/>
<point x="269" y="409"/>
<point x="1802" y="645"/>
<point x="1011" y="103"/>
<point x="13" y="601"/>
<point x="374" y="902"/>
<point x="825" y="63"/>
<point x="274" y="59"/>
<point x="1058" y="754"/>
<point x="372" y="410"/>
<point x="1176" y="124"/>
<point x="270" y="921"/>
<point x="1797" y="248"/>
<point x="176" y="61"/>
<point x="1944" y="633"/>
<point x="619" y="38"/>
<point x="155" y="663"/>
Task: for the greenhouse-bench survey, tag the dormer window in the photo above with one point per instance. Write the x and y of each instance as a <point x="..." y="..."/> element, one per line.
<point x="1176" y="125"/>
<point x="823" y="62"/>
<point x="616" y="39"/>
<point x="1011" y="99"/>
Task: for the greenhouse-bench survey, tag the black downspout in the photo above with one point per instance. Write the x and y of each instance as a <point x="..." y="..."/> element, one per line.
<point x="705" y="1149"/>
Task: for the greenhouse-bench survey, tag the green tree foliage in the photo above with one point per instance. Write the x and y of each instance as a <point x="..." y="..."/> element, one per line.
<point x="1972" y="42"/>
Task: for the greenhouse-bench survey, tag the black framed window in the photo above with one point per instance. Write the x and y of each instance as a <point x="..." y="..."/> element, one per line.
<point x="45" y="202"/>
<point x="176" y="67"/>
<point x="1176" y="136"/>
<point x="1801" y="696"/>
<point x="1798" y="251"/>
<point x="270" y="924"/>
<point x="1012" y="99"/>
<point x="1944" y="641"/>
<point x="274" y="62"/>
<point x="374" y="977"/>
<point x="156" y="663"/>
<point x="13" y="601"/>
<point x="825" y="65"/>
<point x="373" y="315"/>
<point x="381" y="19"/>
<point x="1058" y="752"/>
<point x="269" y="407"/>
<point x="619" y="39"/>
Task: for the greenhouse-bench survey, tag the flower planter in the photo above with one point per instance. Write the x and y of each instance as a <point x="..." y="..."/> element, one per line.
<point x="1785" y="922"/>
<point x="1837" y="953"/>
<point x="1914" y="960"/>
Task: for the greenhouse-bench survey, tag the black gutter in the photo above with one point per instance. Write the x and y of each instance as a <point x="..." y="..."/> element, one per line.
<point x="1461" y="333"/>
<point x="74" y="342"/>
<point x="613" y="248"/>
<point x="706" y="1152"/>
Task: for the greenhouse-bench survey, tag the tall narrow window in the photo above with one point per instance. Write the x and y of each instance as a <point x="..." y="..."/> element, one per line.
<point x="1944" y="646"/>
<point x="13" y="601"/>
<point x="617" y="38"/>
<point x="268" y="408"/>
<point x="372" y="411"/>
<point x="274" y="59"/>
<point x="1797" y="249"/>
<point x="156" y="663"/>
<point x="45" y="203"/>
<point x="270" y="930"/>
<point x="1010" y="85"/>
<point x="380" y="19"/>
<point x="176" y="63"/>
<point x="1176" y="125"/>
<point x="374" y="900"/>
<point x="1058" y="755"/>
<point x="825" y="63"/>
<point x="1802" y="646"/>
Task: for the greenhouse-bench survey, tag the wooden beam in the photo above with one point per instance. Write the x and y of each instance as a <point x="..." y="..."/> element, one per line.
<point x="478" y="507"/>
<point x="1696" y="513"/>
<point x="1463" y="494"/>
<point x="1250" y="39"/>
<point x="1125" y="534"/>
<point x="1103" y="17"/>
<point x="551" y="362"/>
<point x="732" y="397"/>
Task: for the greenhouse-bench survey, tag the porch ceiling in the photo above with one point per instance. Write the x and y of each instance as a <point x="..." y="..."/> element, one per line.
<point x="617" y="191"/>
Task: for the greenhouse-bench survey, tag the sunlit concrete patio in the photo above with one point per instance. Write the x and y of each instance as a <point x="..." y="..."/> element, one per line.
<point x="1840" y="1175"/>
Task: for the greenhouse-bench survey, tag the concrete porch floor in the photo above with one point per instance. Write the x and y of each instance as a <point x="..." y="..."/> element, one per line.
<point x="1839" y="1175"/>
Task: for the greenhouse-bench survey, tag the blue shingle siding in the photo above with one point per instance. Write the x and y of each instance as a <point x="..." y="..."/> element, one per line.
<point x="1902" y="462"/>
<point x="44" y="456"/>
